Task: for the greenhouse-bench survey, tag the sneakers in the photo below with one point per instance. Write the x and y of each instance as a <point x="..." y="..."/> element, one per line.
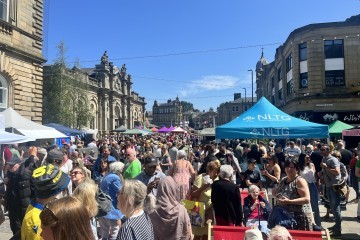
<point x="335" y="233"/>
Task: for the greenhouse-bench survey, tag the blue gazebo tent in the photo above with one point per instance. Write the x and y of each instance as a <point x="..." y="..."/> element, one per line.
<point x="264" y="120"/>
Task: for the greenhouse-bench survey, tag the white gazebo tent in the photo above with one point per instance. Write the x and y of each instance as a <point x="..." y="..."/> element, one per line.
<point x="10" y="138"/>
<point x="178" y="130"/>
<point x="28" y="128"/>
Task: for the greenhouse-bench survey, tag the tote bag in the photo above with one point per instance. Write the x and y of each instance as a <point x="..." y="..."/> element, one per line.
<point x="196" y="211"/>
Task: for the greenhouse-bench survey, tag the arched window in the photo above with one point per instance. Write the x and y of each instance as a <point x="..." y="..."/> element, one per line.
<point x="3" y="93"/>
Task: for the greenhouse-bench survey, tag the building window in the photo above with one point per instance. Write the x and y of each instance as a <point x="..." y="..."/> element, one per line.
<point x="302" y="52"/>
<point x="3" y="93"/>
<point x="290" y="87"/>
<point x="279" y="74"/>
<point x="233" y="108"/>
<point x="237" y="109"/>
<point x="280" y="94"/>
<point x="334" y="48"/>
<point x="303" y="80"/>
<point x="289" y="63"/>
<point x="272" y="82"/>
<point x="334" y="78"/>
<point x="4" y="10"/>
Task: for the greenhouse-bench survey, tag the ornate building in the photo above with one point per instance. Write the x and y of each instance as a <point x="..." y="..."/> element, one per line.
<point x="315" y="75"/>
<point x="111" y="99"/>
<point x="21" y="38"/>
<point x="169" y="113"/>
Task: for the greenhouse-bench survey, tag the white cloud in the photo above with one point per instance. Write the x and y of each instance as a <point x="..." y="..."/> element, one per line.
<point x="209" y="83"/>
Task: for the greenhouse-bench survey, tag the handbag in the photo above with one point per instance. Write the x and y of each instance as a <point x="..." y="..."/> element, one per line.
<point x="280" y="216"/>
<point x="341" y="188"/>
<point x="196" y="211"/>
<point x="104" y="203"/>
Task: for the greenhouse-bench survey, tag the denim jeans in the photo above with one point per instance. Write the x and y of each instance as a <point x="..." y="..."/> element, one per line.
<point x="314" y="200"/>
<point x="109" y="228"/>
<point x="334" y="202"/>
<point x="358" y="208"/>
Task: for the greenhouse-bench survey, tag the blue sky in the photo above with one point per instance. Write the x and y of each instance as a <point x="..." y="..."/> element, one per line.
<point x="200" y="50"/>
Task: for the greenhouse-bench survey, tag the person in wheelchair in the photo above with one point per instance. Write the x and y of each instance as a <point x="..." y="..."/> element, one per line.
<point x="256" y="209"/>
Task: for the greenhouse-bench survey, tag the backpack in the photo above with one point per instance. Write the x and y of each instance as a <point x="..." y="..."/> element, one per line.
<point x="104" y="203"/>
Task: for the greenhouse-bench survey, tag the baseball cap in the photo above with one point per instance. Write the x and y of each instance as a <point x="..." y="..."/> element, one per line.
<point x="55" y="154"/>
<point x="49" y="180"/>
<point x="150" y="161"/>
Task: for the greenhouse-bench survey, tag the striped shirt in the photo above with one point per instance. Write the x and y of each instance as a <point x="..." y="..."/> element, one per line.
<point x="137" y="227"/>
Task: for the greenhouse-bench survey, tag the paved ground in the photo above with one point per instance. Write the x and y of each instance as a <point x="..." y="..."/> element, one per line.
<point x="350" y="226"/>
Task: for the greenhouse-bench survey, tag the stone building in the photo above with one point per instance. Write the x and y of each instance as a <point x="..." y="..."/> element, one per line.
<point x="316" y="75"/>
<point x="111" y="99"/>
<point x="21" y="59"/>
<point x="169" y="113"/>
<point x="229" y="110"/>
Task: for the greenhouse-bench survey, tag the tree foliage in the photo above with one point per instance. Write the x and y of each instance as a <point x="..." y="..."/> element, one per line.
<point x="186" y="106"/>
<point x="65" y="93"/>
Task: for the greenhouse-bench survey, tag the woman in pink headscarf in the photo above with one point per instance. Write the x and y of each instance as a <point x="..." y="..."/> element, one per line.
<point x="170" y="219"/>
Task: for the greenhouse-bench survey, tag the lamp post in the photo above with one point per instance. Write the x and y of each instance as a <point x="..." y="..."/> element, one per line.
<point x="252" y="86"/>
<point x="245" y="98"/>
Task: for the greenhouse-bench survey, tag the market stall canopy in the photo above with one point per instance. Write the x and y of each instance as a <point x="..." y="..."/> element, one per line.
<point x="264" y="120"/>
<point x="207" y="132"/>
<point x="338" y="126"/>
<point x="178" y="130"/>
<point x="120" y="129"/>
<point x="163" y="130"/>
<point x="355" y="132"/>
<point x="171" y="128"/>
<point x="133" y="131"/>
<point x="65" y="130"/>
<point x="154" y="129"/>
<point x="10" y="138"/>
<point x="32" y="130"/>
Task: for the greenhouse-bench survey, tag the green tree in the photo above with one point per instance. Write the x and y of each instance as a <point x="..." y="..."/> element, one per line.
<point x="186" y="106"/>
<point x="65" y="93"/>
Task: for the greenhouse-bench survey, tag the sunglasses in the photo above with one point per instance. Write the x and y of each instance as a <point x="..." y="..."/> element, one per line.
<point x="75" y="173"/>
<point x="46" y="210"/>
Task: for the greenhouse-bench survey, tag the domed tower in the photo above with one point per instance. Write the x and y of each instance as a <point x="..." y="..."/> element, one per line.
<point x="260" y="75"/>
<point x="263" y="61"/>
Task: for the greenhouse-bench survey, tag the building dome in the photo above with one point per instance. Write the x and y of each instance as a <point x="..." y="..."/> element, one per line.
<point x="263" y="61"/>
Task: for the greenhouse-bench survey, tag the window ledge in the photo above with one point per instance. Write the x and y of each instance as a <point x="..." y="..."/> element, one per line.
<point x="5" y="27"/>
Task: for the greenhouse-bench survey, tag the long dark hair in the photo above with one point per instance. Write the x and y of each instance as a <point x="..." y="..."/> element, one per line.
<point x="301" y="159"/>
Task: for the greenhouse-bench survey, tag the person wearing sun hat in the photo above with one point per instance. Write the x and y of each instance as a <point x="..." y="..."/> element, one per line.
<point x="49" y="183"/>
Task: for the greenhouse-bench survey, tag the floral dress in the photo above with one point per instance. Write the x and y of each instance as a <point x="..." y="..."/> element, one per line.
<point x="182" y="177"/>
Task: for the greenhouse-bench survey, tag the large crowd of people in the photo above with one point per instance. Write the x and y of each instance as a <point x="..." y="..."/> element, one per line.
<point x="132" y="187"/>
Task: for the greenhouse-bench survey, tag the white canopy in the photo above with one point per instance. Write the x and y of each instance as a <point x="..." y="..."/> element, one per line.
<point x="178" y="130"/>
<point x="9" y="138"/>
<point x="207" y="132"/>
<point x="28" y="128"/>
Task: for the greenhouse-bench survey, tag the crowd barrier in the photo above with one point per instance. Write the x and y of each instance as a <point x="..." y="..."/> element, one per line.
<point x="238" y="233"/>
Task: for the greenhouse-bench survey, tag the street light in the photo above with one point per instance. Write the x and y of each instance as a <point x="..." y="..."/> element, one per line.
<point x="252" y="86"/>
<point x="245" y="98"/>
